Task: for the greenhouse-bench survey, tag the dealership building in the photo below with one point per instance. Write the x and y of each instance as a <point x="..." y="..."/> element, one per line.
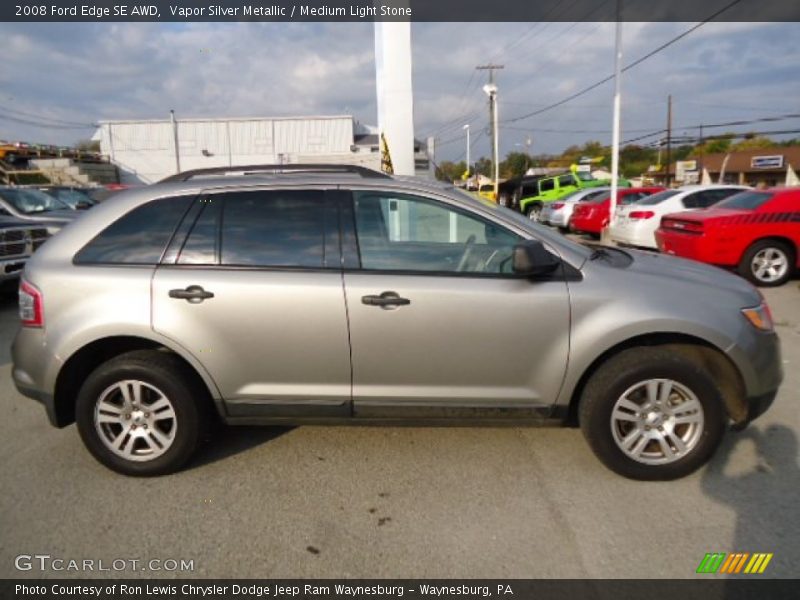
<point x="769" y="167"/>
<point x="146" y="151"/>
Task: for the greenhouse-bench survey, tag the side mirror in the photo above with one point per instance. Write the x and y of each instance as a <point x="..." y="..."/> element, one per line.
<point x="83" y="205"/>
<point x="531" y="259"/>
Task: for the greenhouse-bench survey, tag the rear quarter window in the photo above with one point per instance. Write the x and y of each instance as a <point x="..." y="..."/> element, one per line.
<point x="138" y="237"/>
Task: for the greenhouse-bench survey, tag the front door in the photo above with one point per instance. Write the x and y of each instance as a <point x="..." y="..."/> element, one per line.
<point x="439" y="324"/>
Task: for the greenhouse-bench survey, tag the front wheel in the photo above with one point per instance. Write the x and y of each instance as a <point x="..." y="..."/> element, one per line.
<point x="767" y="263"/>
<point x="142" y="413"/>
<point x="652" y="414"/>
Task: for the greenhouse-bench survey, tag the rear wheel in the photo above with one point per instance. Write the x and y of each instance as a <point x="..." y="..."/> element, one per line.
<point x="142" y="413"/>
<point x="652" y="414"/>
<point x="534" y="211"/>
<point x="768" y="263"/>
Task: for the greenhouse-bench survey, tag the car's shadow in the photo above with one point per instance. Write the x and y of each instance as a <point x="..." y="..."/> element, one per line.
<point x="229" y="440"/>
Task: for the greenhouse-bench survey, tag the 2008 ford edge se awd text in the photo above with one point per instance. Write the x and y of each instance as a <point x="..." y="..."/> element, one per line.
<point x="298" y="295"/>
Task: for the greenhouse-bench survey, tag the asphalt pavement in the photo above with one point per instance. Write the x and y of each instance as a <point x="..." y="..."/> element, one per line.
<point x="314" y="502"/>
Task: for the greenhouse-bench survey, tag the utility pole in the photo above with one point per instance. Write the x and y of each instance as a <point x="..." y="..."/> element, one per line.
<point x="702" y="152"/>
<point x="491" y="91"/>
<point x="669" y="138"/>
<point x="466" y="127"/>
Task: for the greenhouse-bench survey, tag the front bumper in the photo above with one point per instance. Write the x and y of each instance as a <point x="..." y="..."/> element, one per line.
<point x="759" y="361"/>
<point x="10" y="268"/>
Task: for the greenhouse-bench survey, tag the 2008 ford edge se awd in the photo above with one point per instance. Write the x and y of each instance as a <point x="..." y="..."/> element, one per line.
<point x="338" y="294"/>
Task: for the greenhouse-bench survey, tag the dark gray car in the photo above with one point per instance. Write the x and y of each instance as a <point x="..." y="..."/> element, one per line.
<point x="345" y="295"/>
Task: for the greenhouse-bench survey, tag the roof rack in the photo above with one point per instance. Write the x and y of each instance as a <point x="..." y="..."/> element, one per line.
<point x="290" y="168"/>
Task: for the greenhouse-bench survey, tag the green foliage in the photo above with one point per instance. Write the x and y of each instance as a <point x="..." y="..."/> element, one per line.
<point x="450" y="171"/>
<point x="515" y="164"/>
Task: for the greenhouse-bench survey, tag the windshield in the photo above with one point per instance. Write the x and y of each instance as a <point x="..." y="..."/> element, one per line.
<point x="29" y="201"/>
<point x="657" y="198"/>
<point x="745" y="200"/>
<point x="70" y="196"/>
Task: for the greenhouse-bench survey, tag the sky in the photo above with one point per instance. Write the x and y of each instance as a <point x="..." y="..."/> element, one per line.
<point x="58" y="79"/>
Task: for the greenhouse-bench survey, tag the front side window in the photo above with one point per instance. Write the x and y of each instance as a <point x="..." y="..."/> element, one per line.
<point x="566" y="180"/>
<point x="137" y="238"/>
<point x="398" y="232"/>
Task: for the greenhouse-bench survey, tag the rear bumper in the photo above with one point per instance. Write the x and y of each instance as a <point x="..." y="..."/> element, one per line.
<point x="29" y="360"/>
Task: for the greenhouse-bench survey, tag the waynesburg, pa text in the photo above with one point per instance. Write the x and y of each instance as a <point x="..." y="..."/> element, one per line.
<point x="259" y="590"/>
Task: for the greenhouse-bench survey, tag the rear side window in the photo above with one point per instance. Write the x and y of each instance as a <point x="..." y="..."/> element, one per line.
<point x="657" y="198"/>
<point x="282" y="228"/>
<point x="746" y="200"/>
<point x="137" y="238"/>
<point x="566" y="180"/>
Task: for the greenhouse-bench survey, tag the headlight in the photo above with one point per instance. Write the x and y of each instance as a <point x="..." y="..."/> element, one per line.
<point x="53" y="229"/>
<point x="760" y="317"/>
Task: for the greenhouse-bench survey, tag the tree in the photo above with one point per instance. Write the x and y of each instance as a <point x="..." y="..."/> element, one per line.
<point x="514" y="165"/>
<point x="753" y="142"/>
<point x="484" y="166"/>
<point x="450" y="171"/>
<point x="88" y="145"/>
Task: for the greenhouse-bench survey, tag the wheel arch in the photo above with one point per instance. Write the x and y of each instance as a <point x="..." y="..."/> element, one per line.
<point x="87" y="358"/>
<point x="774" y="238"/>
<point x="722" y="369"/>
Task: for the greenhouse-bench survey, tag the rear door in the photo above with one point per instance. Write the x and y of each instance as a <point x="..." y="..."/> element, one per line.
<point x="252" y="287"/>
<point x="439" y="325"/>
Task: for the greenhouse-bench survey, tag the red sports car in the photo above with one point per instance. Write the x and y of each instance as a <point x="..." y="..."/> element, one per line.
<point x="757" y="232"/>
<point x="591" y="215"/>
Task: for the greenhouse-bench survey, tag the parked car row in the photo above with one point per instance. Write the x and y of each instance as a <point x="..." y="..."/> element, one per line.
<point x="756" y="232"/>
<point x="31" y="214"/>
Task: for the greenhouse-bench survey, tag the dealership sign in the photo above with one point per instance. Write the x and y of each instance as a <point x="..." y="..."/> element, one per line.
<point x="767" y="162"/>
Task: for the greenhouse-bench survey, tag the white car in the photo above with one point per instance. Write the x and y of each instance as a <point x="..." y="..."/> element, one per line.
<point x="636" y="224"/>
<point x="558" y="213"/>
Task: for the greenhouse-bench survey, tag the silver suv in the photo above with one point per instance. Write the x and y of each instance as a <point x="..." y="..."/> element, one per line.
<point x="303" y="294"/>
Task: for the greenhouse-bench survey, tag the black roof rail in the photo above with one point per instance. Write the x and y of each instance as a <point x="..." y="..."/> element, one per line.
<point x="365" y="172"/>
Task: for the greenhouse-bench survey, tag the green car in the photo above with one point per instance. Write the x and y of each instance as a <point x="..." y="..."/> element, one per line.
<point x="550" y="189"/>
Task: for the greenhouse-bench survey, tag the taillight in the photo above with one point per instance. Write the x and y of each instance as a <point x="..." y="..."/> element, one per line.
<point x="557" y="205"/>
<point x="688" y="226"/>
<point x="30" y="305"/>
<point x="641" y="214"/>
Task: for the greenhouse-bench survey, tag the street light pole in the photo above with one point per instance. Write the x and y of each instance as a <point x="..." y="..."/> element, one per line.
<point x="616" y="120"/>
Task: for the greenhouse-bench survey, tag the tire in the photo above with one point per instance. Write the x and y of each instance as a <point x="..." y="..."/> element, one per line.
<point x="161" y="431"/>
<point x="768" y="263"/>
<point x="564" y="230"/>
<point x="610" y="419"/>
<point x="534" y="211"/>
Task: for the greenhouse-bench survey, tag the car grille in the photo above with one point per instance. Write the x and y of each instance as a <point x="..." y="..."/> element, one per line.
<point x="38" y="237"/>
<point x="12" y="242"/>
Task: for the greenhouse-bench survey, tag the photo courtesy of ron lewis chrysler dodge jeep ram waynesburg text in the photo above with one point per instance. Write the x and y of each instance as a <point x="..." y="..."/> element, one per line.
<point x="296" y="294"/>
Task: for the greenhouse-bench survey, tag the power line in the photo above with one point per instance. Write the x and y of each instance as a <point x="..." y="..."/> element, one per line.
<point x="44" y="118"/>
<point x="627" y="67"/>
<point x="41" y="125"/>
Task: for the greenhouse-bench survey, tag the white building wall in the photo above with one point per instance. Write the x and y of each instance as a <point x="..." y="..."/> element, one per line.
<point x="145" y="150"/>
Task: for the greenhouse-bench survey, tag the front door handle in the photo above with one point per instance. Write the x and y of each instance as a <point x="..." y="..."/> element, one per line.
<point x="194" y="294"/>
<point x="386" y="300"/>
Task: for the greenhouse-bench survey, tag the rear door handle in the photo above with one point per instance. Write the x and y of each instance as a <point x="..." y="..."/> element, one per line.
<point x="386" y="300"/>
<point x="194" y="294"/>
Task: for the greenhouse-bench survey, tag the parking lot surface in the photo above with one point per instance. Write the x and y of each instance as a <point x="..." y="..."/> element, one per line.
<point x="402" y="502"/>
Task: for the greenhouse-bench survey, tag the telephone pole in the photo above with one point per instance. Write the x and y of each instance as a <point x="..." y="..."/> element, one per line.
<point x="491" y="91"/>
<point x="669" y="138"/>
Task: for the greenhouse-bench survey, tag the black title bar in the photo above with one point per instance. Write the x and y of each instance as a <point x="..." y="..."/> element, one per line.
<point x="397" y="10"/>
<point x="708" y="588"/>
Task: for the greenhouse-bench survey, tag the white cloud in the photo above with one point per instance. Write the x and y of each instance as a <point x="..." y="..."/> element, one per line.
<point x="86" y="72"/>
